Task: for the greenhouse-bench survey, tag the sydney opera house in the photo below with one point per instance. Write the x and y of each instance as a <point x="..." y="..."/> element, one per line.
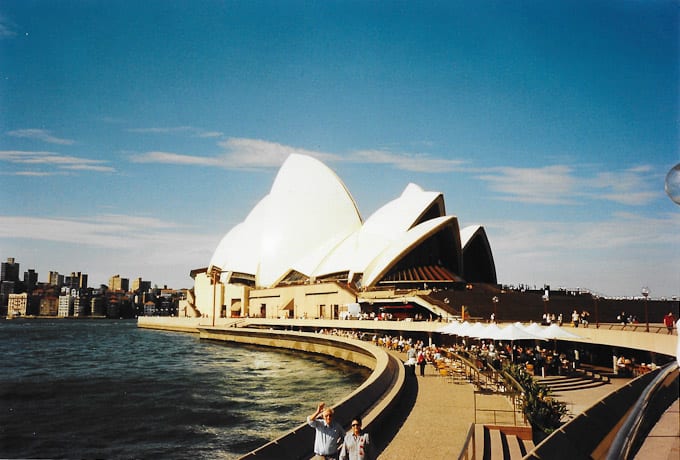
<point x="304" y="251"/>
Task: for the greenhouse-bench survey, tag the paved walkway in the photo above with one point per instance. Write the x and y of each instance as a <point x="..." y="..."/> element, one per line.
<point x="437" y="425"/>
<point x="663" y="442"/>
<point x="440" y="419"/>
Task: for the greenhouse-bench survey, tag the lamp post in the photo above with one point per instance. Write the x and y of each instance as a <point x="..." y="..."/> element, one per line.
<point x="215" y="273"/>
<point x="645" y="294"/>
<point x="597" y="316"/>
<point x="494" y="299"/>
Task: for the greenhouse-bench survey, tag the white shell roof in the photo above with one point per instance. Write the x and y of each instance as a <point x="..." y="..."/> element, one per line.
<point x="293" y="220"/>
<point x="467" y="233"/>
<point x="310" y="223"/>
<point x="403" y="245"/>
<point x="386" y="225"/>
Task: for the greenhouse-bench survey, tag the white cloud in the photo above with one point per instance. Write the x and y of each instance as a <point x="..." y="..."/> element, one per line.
<point x="406" y="161"/>
<point x="545" y="185"/>
<point x="63" y="162"/>
<point x="256" y="153"/>
<point x="561" y="184"/>
<point x="40" y="135"/>
<point x="240" y="153"/>
<point x="594" y="255"/>
<point x="244" y="153"/>
<point x="193" y="131"/>
<point x="103" y="245"/>
<point x="174" y="158"/>
<point x="7" y="28"/>
<point x="630" y="186"/>
<point x="110" y="231"/>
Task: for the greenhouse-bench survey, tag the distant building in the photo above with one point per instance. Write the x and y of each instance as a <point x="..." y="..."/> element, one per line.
<point x="6" y="288"/>
<point x="30" y="280"/>
<point x="116" y="283"/>
<point x="140" y="286"/>
<point x="9" y="271"/>
<point x="49" y="306"/>
<point x="65" y="305"/>
<point x="149" y="308"/>
<point x="81" y="306"/>
<point x="76" y="281"/>
<point x="17" y="305"/>
<point x="98" y="306"/>
<point x="9" y="278"/>
<point x="55" y="279"/>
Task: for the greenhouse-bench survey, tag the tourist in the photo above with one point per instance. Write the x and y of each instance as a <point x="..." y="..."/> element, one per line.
<point x="623" y="366"/>
<point x="357" y="445"/>
<point x="669" y="321"/>
<point x="575" y="318"/>
<point x="329" y="434"/>
<point x="411" y="355"/>
<point x="421" y="362"/>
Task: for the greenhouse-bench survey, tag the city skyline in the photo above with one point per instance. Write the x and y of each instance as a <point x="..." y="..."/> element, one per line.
<point x="134" y="136"/>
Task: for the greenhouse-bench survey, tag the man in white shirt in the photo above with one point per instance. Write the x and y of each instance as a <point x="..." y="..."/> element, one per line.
<point x="329" y="434"/>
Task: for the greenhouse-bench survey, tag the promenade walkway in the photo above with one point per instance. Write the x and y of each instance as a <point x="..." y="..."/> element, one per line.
<point x="440" y="419"/>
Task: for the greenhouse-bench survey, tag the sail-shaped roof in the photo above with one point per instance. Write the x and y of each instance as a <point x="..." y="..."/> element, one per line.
<point x="309" y="225"/>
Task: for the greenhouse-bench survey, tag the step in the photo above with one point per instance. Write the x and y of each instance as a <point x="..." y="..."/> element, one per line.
<point x="514" y="449"/>
<point x="496" y="444"/>
<point x="480" y="442"/>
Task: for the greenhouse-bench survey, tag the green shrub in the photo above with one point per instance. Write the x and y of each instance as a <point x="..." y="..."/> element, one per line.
<point x="542" y="410"/>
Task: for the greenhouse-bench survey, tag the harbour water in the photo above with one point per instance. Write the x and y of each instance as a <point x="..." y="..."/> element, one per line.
<point x="107" y="389"/>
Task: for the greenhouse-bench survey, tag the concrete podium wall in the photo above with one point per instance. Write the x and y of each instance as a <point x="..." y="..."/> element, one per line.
<point x="375" y="400"/>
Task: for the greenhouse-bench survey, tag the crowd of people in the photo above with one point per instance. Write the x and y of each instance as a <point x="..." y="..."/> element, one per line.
<point x="582" y="318"/>
<point x="331" y="442"/>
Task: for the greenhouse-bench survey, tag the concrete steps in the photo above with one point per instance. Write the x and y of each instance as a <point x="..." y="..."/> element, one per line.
<point x="501" y="443"/>
<point x="558" y="384"/>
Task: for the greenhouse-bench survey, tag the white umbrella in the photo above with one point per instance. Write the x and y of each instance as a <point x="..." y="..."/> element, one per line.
<point x="463" y="328"/>
<point x="513" y="332"/>
<point x="492" y="331"/>
<point x="477" y="330"/>
<point x="555" y="332"/>
<point x="451" y="328"/>
<point x="535" y="328"/>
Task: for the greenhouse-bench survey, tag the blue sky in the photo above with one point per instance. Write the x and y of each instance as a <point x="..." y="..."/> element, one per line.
<point x="134" y="135"/>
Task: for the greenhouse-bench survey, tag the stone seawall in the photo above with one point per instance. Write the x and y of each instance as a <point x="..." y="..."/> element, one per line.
<point x="376" y="400"/>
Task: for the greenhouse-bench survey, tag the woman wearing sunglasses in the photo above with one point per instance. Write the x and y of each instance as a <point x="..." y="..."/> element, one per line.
<point x="357" y="445"/>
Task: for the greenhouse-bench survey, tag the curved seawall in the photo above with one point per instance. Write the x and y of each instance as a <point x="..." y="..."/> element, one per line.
<point x="376" y="400"/>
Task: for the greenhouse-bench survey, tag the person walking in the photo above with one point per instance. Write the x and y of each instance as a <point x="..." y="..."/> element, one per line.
<point x="357" y="445"/>
<point x="575" y="318"/>
<point x="669" y="322"/>
<point x="329" y="434"/>
<point x="422" y="362"/>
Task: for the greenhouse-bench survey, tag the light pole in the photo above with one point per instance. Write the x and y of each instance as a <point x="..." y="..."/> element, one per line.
<point x="214" y="278"/>
<point x="645" y="294"/>
<point x="494" y="299"/>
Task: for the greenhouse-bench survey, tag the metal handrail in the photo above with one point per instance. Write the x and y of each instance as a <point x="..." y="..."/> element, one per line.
<point x="653" y="401"/>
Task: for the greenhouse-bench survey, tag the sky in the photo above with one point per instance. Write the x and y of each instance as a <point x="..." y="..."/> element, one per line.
<point x="134" y="135"/>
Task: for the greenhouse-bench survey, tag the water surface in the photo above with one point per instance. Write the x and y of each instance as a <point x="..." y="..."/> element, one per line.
<point x="107" y="389"/>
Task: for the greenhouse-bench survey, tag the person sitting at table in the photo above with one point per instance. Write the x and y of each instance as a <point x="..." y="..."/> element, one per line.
<point x="623" y="366"/>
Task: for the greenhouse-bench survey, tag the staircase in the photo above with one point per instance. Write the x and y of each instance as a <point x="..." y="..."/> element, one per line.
<point x="502" y="442"/>
<point x="575" y="381"/>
